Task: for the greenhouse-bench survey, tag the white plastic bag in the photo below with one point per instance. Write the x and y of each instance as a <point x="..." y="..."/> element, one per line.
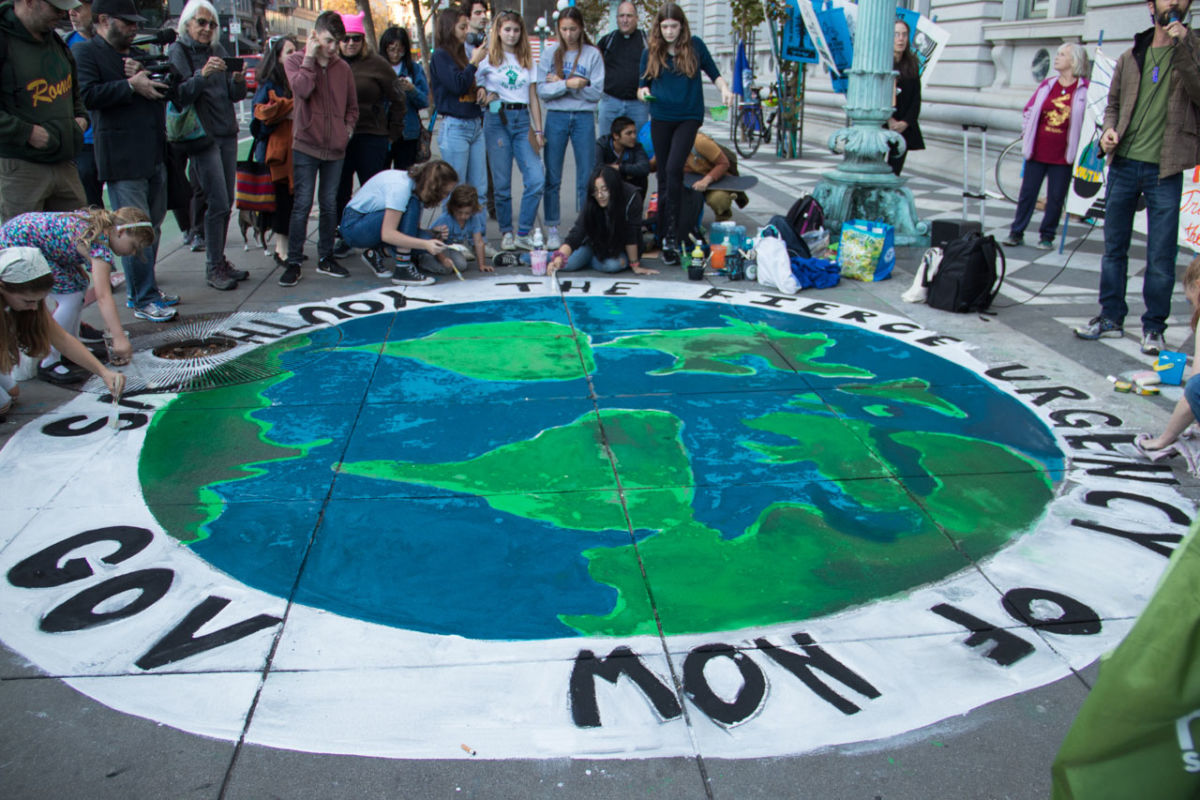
<point x="918" y="292"/>
<point x="775" y="266"/>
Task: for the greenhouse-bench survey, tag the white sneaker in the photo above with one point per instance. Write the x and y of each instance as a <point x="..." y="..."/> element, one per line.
<point x="522" y="243"/>
<point x="508" y="241"/>
<point x="490" y="251"/>
<point x="552" y="240"/>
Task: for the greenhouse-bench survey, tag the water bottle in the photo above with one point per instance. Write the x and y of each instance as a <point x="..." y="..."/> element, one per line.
<point x="537" y="257"/>
<point x="685" y="257"/>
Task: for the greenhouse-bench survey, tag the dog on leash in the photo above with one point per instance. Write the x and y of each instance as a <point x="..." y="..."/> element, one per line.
<point x="256" y="229"/>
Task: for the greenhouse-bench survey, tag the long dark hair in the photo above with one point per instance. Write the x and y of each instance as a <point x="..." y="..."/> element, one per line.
<point x="906" y="64"/>
<point x="445" y="37"/>
<point x="25" y="331"/>
<point x="658" y="51"/>
<point x="605" y="227"/>
<point x="271" y="68"/>
<point x="575" y="15"/>
<point x="394" y="35"/>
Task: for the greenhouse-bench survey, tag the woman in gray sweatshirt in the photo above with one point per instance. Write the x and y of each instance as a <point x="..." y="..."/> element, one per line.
<point x="570" y="84"/>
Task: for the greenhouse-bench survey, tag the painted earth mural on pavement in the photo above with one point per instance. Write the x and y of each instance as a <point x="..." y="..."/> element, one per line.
<point x="571" y="515"/>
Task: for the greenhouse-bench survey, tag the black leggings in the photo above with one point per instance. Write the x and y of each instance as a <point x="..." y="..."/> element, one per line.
<point x="673" y="142"/>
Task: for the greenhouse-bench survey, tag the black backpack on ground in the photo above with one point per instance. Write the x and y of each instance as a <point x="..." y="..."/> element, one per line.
<point x="795" y="245"/>
<point x="967" y="279"/>
<point x="806" y="215"/>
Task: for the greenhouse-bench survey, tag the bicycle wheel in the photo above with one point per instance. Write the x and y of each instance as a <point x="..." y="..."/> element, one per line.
<point x="748" y="134"/>
<point x="1010" y="166"/>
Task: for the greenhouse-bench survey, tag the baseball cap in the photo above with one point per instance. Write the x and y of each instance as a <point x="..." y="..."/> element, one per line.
<point x="121" y="9"/>
<point x="63" y="5"/>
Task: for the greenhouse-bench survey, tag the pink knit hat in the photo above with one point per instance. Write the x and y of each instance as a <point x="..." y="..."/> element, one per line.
<point x="354" y="22"/>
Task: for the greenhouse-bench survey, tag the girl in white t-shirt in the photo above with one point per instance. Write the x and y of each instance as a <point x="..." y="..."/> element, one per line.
<point x="512" y="126"/>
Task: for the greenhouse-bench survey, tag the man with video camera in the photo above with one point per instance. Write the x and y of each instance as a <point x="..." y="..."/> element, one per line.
<point x="41" y="118"/>
<point x="128" y="106"/>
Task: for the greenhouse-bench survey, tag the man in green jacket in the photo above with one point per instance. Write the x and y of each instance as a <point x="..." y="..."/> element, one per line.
<point x="42" y="118"/>
<point x="1151" y="138"/>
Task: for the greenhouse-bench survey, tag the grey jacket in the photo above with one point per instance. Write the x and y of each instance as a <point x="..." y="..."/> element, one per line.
<point x="556" y="96"/>
<point x="1181" y="139"/>
<point x="213" y="96"/>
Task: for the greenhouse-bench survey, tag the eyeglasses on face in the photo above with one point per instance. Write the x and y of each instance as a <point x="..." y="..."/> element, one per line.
<point x="355" y="39"/>
<point x="205" y="23"/>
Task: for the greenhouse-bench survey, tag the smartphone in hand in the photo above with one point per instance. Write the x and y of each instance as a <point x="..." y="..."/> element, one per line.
<point x="235" y="64"/>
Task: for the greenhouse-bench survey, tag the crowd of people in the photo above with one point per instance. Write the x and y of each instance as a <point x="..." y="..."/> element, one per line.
<point x="339" y="110"/>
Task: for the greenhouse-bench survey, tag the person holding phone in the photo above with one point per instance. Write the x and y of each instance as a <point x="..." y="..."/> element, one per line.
<point x="396" y="46"/>
<point x="212" y="88"/>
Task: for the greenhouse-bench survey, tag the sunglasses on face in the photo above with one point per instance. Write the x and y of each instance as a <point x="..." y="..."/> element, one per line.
<point x="352" y="39"/>
<point x="205" y="23"/>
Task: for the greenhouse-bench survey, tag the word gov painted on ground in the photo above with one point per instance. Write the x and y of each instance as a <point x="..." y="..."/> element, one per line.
<point x="560" y="516"/>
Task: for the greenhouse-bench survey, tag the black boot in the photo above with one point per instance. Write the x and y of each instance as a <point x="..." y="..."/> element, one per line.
<point x="670" y="253"/>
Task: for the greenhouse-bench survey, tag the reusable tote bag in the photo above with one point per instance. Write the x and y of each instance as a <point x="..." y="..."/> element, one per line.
<point x="867" y="250"/>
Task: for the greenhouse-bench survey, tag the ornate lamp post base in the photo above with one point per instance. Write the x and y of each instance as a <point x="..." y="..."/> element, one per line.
<point x="863" y="186"/>
<point x="847" y="193"/>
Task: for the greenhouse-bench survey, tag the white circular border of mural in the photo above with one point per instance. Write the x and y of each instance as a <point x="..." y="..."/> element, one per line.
<point x="186" y="644"/>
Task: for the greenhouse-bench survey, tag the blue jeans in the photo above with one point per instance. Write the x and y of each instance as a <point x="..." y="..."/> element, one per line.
<point x="1126" y="180"/>
<point x="578" y="127"/>
<point x="504" y="142"/>
<point x="461" y="144"/>
<point x="366" y="230"/>
<point x="611" y="108"/>
<point x="305" y="171"/>
<point x="1191" y="393"/>
<point x="1058" y="180"/>
<point x="150" y="195"/>
<point x="585" y="258"/>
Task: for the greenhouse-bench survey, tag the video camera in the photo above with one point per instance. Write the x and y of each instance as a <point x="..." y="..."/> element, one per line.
<point x="156" y="64"/>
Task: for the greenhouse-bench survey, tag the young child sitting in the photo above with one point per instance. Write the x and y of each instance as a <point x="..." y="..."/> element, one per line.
<point x="461" y="224"/>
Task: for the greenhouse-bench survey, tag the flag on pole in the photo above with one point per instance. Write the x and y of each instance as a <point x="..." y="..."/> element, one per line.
<point x="741" y="65"/>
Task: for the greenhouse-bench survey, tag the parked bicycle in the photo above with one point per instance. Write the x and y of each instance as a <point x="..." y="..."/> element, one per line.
<point x="1010" y="167"/>
<point x="749" y="126"/>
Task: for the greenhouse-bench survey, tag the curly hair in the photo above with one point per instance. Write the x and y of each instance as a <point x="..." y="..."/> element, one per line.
<point x="102" y="224"/>
<point x="432" y="181"/>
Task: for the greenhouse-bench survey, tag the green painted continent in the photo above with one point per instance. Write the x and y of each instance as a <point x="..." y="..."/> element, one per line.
<point x="498" y="351"/>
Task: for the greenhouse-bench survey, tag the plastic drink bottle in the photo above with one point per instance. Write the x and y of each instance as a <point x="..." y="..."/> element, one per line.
<point x="537" y="257"/>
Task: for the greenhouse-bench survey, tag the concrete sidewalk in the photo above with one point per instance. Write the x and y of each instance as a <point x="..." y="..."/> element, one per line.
<point x="59" y="739"/>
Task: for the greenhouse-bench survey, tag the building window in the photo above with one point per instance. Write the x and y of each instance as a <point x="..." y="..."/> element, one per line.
<point x="1032" y="9"/>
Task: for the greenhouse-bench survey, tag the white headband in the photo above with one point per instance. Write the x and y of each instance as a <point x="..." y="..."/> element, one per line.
<point x="22" y="264"/>
<point x="128" y="225"/>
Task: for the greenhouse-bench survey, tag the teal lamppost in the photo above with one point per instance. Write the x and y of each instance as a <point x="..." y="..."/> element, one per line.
<point x="863" y="186"/>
